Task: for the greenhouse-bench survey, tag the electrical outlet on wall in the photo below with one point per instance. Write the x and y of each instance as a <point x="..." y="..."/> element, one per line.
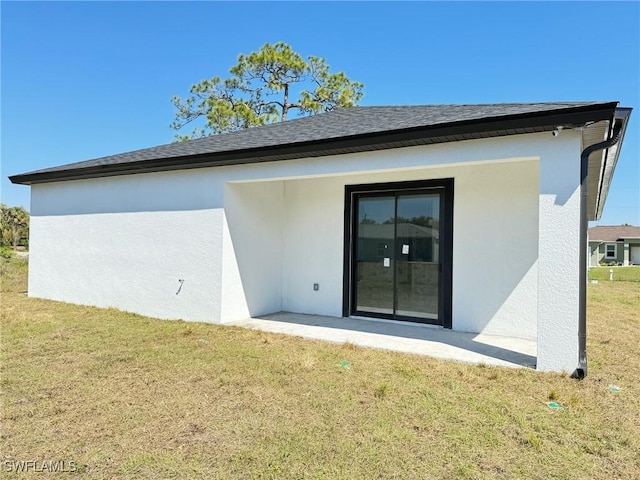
<point x="316" y="287"/>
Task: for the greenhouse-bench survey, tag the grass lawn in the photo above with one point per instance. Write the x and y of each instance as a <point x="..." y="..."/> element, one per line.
<point x="126" y="396"/>
<point x="624" y="274"/>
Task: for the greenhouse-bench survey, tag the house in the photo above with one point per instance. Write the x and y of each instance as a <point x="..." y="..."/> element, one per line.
<point x="614" y="245"/>
<point x="466" y="217"/>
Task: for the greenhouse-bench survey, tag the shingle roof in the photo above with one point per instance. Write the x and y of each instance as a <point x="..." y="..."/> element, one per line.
<point x="344" y="130"/>
<point x="605" y="233"/>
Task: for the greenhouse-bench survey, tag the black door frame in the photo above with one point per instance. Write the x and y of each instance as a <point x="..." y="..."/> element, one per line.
<point x="445" y="186"/>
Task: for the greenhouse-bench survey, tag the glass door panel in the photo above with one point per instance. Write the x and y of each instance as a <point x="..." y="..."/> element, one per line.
<point x="374" y="266"/>
<point x="417" y="254"/>
<point x="398" y="251"/>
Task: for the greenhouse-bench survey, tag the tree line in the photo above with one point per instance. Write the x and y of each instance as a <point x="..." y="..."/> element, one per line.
<point x="14" y="223"/>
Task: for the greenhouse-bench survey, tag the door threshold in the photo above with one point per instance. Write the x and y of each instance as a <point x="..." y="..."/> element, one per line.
<point x="406" y="323"/>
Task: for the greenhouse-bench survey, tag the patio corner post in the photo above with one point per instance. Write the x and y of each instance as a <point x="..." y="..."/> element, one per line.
<point x="559" y="255"/>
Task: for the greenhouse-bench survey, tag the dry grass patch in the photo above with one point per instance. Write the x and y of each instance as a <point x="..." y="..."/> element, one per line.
<point x="126" y="396"/>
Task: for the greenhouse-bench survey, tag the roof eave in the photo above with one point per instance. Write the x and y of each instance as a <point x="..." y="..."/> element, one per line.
<point x="456" y="131"/>
<point x="610" y="159"/>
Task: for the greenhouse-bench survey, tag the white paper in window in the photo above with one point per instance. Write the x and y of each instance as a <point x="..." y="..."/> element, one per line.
<point x="386" y="262"/>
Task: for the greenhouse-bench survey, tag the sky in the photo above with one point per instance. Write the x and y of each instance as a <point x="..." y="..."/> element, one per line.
<point x="81" y="80"/>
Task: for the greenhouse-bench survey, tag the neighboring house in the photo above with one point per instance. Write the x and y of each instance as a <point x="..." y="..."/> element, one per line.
<point x="485" y="223"/>
<point x="609" y="245"/>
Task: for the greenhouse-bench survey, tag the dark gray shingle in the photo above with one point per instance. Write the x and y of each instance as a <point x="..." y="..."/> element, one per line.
<point x="344" y="123"/>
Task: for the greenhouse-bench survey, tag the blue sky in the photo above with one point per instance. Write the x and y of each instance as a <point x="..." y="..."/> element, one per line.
<point x="82" y="80"/>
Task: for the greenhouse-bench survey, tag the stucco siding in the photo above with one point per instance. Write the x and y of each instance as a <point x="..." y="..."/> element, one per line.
<point x="125" y="242"/>
<point x="495" y="271"/>
<point x="559" y="256"/>
<point x="494" y="279"/>
<point x="253" y="239"/>
<point x="313" y="246"/>
<point x="252" y="252"/>
<point x="106" y="259"/>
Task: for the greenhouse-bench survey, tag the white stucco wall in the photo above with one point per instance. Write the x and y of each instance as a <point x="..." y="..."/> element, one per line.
<point x="253" y="239"/>
<point x="126" y="242"/>
<point x="252" y="251"/>
<point x="559" y="257"/>
<point x="313" y="246"/>
<point x="495" y="244"/>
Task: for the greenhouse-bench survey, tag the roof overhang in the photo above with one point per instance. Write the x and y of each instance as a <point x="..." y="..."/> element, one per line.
<point x="602" y="163"/>
<point x="531" y="122"/>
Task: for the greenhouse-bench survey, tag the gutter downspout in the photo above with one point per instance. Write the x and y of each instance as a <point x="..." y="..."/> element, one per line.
<point x="581" y="371"/>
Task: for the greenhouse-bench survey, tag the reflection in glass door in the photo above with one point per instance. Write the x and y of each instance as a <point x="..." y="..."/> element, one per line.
<point x="397" y="256"/>
<point x="375" y="255"/>
<point x="418" y="264"/>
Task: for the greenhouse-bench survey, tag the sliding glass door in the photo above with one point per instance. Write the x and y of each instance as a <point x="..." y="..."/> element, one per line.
<point x="418" y="262"/>
<point x="397" y="254"/>
<point x="375" y="258"/>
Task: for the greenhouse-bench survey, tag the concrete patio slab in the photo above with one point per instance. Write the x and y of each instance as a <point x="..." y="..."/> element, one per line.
<point x="402" y="337"/>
